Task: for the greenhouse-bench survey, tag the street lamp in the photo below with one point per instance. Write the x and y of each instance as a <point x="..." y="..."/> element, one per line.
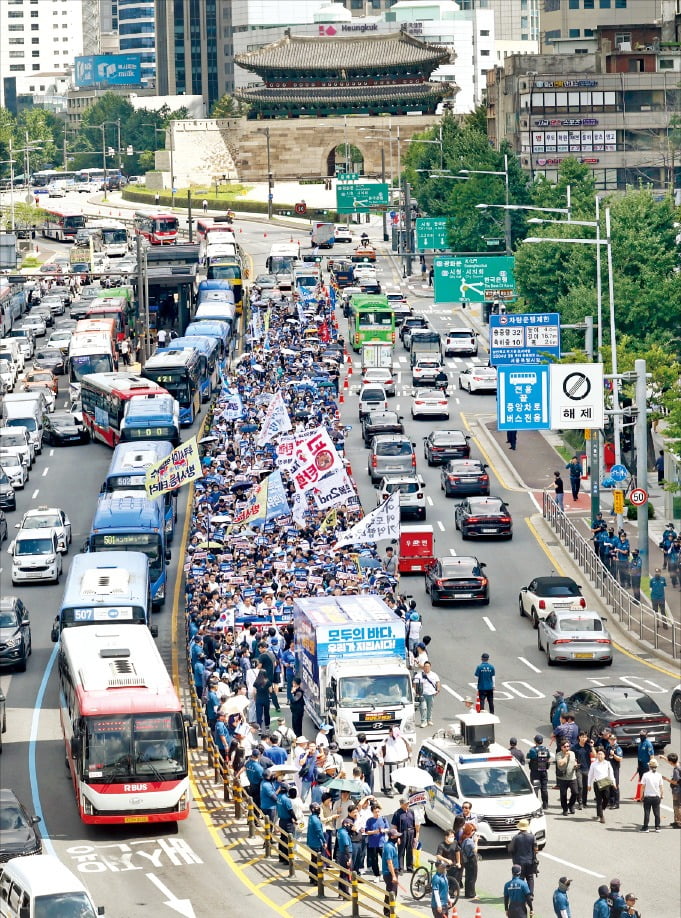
<point x="270" y="177"/>
<point x="424" y="140"/>
<point x="507" y="214"/>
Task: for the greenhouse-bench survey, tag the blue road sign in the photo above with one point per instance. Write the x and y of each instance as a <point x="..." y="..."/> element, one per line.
<point x="523" y="397"/>
<point x="524" y="338"/>
<point x="619" y="472"/>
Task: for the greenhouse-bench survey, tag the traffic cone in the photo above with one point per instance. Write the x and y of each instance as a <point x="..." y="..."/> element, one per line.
<point x="349" y="367"/>
<point x="341" y="398"/>
<point x="346" y="383"/>
<point x="453" y="912"/>
<point x="477" y="702"/>
<point x="348" y="469"/>
<point x="638" y="796"/>
<point x="478" y="912"/>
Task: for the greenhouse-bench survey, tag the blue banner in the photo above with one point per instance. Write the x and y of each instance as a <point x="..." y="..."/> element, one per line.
<point x="108" y="70"/>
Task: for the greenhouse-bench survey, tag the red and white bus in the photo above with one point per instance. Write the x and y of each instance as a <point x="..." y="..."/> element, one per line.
<point x="110" y="308"/>
<point x="124" y="732"/>
<point x="104" y="397"/>
<point x="62" y="224"/>
<point x="157" y="229"/>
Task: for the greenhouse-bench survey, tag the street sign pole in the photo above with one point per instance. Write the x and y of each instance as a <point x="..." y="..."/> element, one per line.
<point x="642" y="462"/>
<point x="595" y="464"/>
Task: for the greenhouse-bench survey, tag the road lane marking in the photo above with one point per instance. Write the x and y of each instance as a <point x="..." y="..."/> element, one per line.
<point x="452" y="551"/>
<point x="35" y="494"/>
<point x="441" y="525"/>
<point x="554" y="563"/>
<point x="32" y="747"/>
<point x="51" y="452"/>
<point x="46" y="470"/>
<point x="488" y="623"/>
<point x="526" y="741"/>
<point x="559" y="860"/>
<point x="530" y="665"/>
<point x="430" y="500"/>
<point x="453" y="693"/>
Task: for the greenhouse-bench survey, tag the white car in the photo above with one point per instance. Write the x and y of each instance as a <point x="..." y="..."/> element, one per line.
<point x="412" y="498"/>
<point x="36" y="323"/>
<point x="425" y="371"/>
<point x="55" y="191"/>
<point x="478" y="379"/>
<point x="372" y="398"/>
<point x="13" y="467"/>
<point x="52" y="518"/>
<point x="343" y="233"/>
<point x="460" y="341"/>
<point x="36" y="557"/>
<point x="46" y="392"/>
<point x="8" y="375"/>
<point x="575" y="637"/>
<point x="381" y="376"/>
<point x="544" y="595"/>
<point x="60" y="339"/>
<point x="54" y="303"/>
<point x="429" y="403"/>
<point x="17" y="438"/>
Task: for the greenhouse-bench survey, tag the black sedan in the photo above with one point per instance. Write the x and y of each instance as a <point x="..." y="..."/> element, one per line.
<point x="485" y="517"/>
<point x="461" y="477"/>
<point x="79" y="308"/>
<point x="622" y="709"/>
<point x="61" y="429"/>
<point x="20" y="835"/>
<point x="457" y="579"/>
<point x="8" y="499"/>
<point x="50" y="358"/>
<point x="441" y="445"/>
<point x="380" y="422"/>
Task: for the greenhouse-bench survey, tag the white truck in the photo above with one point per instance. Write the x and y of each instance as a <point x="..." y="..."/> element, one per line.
<point x="377" y="355"/>
<point x="351" y="658"/>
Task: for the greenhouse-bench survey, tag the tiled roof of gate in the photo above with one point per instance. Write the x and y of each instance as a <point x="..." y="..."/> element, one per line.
<point x="355" y="95"/>
<point x="357" y="52"/>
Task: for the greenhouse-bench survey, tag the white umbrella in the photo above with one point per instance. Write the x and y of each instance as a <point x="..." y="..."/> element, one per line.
<point x="237" y="704"/>
<point x="288" y="768"/>
<point x="411" y="776"/>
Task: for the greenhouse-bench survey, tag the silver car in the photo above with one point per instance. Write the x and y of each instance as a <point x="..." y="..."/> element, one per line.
<point x="575" y="636"/>
<point x="390" y="455"/>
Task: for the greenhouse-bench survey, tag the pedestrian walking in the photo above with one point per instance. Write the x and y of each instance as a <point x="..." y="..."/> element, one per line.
<point x="559" y="490"/>
<point x="162" y="337"/>
<point x="517" y="895"/>
<point x="469" y="860"/>
<point x="440" y="899"/>
<point x="403" y="820"/>
<point x="657" y="597"/>
<point x="601" y="779"/>
<point x="653" y="792"/>
<point x="674" y="562"/>
<point x="538" y="759"/>
<point x="601" y="905"/>
<point x="377" y="828"/>
<point x="574" y="467"/>
<point x="344" y="857"/>
<point x="205" y="206"/>
<point x="365" y="757"/>
<point x="431" y="275"/>
<point x="616" y="899"/>
<point x="561" y="901"/>
<point x="297" y="705"/>
<point x="427" y="685"/>
<point x="622" y="549"/>
<point x="635" y="571"/>
<point x="598" y="529"/>
<point x="675" y="783"/>
<point x="665" y="542"/>
<point x="157" y="199"/>
<point x="659" y="467"/>
<point x="614" y="755"/>
<point x="485" y="674"/>
<point x="389" y="868"/>
<point x="523" y="850"/>
<point x="583" y="751"/>
<point x="512" y="438"/>
<point x="315" y="840"/>
<point x="424" y="271"/>
<point x="124" y="348"/>
<point x="396" y="752"/>
<point x="566" y="772"/>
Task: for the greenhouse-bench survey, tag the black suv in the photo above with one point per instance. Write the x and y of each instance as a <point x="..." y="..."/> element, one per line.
<point x="381" y="422"/>
<point x="15" y="633"/>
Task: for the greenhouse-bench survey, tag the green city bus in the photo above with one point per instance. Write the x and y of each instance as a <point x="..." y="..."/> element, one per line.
<point x="371" y="318"/>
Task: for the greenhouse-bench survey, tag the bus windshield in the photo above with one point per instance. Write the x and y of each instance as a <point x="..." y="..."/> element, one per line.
<point x="147" y="542"/>
<point x="147" y="746"/>
<point x="165" y="226"/>
<point x="173" y="382"/>
<point x="375" y="318"/>
<point x="217" y="271"/>
<point x="114" y="236"/>
<point x="90" y="363"/>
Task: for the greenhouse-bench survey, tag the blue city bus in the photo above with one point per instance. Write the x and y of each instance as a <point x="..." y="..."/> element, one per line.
<point x="129" y="521"/>
<point x="107" y="588"/>
<point x="128" y="470"/>
<point x="209" y="355"/>
<point x="221" y="331"/>
<point x="151" y="417"/>
<point x="178" y="372"/>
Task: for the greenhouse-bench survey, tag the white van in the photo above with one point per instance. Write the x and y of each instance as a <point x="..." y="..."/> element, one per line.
<point x="35" y="556"/>
<point x="12" y="348"/>
<point x="39" y="886"/>
<point x="29" y="415"/>
<point x="466" y="764"/>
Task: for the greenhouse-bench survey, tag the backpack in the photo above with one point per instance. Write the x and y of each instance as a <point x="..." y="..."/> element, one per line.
<point x="543" y="758"/>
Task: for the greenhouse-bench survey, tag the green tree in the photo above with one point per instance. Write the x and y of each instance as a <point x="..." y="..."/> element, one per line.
<point x="226" y="107"/>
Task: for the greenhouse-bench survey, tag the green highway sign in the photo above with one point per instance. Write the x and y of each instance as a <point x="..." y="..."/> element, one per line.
<point x="361" y="197"/>
<point x="431" y="233"/>
<point x="347" y="176"/>
<point x="473" y="277"/>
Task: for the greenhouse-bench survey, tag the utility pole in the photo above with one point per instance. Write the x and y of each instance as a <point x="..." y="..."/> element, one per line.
<point x="190" y="222"/>
<point x="407" y="228"/>
<point x="507" y="213"/>
<point x="641" y="435"/>
<point x="141" y="315"/>
<point x="385" y="212"/>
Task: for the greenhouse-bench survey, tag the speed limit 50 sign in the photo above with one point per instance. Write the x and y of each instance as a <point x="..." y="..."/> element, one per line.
<point x="638" y="496"/>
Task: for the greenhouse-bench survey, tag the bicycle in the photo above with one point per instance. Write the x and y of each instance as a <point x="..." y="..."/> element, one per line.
<point x="421" y="883"/>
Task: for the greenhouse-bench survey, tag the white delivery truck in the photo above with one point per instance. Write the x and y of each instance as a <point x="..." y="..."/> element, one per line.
<point x="467" y="764"/>
<point x="377" y="355"/>
<point x="351" y="657"/>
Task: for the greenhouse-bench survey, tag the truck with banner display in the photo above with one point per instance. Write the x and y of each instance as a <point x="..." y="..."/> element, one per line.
<point x="351" y="657"/>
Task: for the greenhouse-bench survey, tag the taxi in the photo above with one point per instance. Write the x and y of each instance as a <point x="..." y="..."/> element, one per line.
<point x="49" y="518"/>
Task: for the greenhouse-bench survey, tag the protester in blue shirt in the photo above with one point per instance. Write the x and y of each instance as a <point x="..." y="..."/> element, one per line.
<point x="517" y="894"/>
<point x="269" y="791"/>
<point x="376" y="830"/>
<point x="315" y="840"/>
<point x="390" y="861"/>
<point x="644" y="753"/>
<point x="485" y="673"/>
<point x="561" y="903"/>
<point x="439" y="896"/>
<point x="601" y="905"/>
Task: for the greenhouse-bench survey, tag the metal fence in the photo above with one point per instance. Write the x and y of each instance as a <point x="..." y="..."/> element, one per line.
<point x="637" y="616"/>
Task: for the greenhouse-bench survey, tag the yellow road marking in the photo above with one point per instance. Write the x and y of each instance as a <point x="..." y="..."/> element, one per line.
<point x="502" y="481"/>
<point x="559" y="570"/>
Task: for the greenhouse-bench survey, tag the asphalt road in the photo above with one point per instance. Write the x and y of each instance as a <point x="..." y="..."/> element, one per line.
<point x="165" y="866"/>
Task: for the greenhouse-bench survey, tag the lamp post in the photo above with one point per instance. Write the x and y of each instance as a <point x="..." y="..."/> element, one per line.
<point x="598" y="242"/>
<point x="507" y="214"/>
<point x="424" y="140"/>
<point x="270" y="177"/>
<point x="10" y="162"/>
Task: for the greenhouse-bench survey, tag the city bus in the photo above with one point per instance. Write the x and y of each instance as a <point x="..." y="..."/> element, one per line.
<point x="128" y="470"/>
<point x="283" y="258"/>
<point x="111" y="308"/>
<point x="129" y="521"/>
<point x="98" y="325"/>
<point x="103" y="397"/>
<point x="114" y="236"/>
<point x="106" y="588"/>
<point x="124" y="731"/>
<point x="371" y="319"/>
<point x="61" y="225"/>
<point x="151" y="417"/>
<point x="89" y="352"/>
<point x="178" y="372"/>
<point x="93" y="175"/>
<point x="220" y="331"/>
<point x="208" y="349"/>
<point x="45" y="177"/>
<point x="228" y="269"/>
<point x="157" y="229"/>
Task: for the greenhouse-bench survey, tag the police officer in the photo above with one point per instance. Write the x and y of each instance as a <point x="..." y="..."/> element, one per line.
<point x="517" y="895"/>
<point x="674" y="561"/>
<point x="523" y="849"/>
<point x="485" y="674"/>
<point x="598" y="527"/>
<point x="608" y="556"/>
<point x="538" y="759"/>
<point x="635" y="571"/>
<point x="601" y="906"/>
<point x="616" y="899"/>
<point x="644" y="753"/>
<point x="622" y="549"/>
<point x="668" y="537"/>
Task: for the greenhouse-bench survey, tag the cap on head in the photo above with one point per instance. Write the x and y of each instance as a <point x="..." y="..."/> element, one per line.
<point x="538" y="738"/>
<point x="615" y="883"/>
<point x="393" y="833"/>
<point x="563" y="881"/>
<point x="485" y="656"/>
<point x="630" y="897"/>
<point x="516" y="870"/>
<point x="653" y="763"/>
<point x="513" y="741"/>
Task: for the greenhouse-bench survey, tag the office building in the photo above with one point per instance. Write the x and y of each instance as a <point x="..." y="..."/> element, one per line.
<point x="137" y="33"/>
<point x="564" y="21"/>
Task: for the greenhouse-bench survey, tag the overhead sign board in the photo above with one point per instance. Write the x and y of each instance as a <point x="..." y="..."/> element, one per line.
<point x="524" y="338"/>
<point x="347" y="176"/>
<point x="523" y="397"/>
<point x="577" y="396"/>
<point x="360" y="197"/>
<point x="108" y="70"/>
<point x="431" y="233"/>
<point x="473" y="278"/>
